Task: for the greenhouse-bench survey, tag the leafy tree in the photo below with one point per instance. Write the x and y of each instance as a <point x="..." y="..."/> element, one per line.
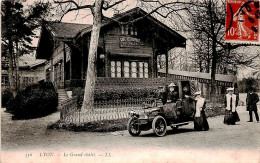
<point x="207" y="23"/>
<point x="18" y="29"/>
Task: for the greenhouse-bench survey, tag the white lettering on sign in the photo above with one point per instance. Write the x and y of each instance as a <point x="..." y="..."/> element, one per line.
<point x="127" y="41"/>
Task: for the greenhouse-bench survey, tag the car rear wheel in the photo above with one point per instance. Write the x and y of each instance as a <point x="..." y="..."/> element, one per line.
<point x="133" y="128"/>
<point x="159" y="126"/>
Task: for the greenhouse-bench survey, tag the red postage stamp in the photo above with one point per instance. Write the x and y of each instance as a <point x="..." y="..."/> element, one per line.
<point x="242" y="21"/>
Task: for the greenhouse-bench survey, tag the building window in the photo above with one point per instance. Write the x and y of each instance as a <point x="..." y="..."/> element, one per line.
<point x="57" y="72"/>
<point x="4" y="80"/>
<point x="115" y="68"/>
<point x="128" y="30"/>
<point x="134" y="69"/>
<point x="126" y="69"/>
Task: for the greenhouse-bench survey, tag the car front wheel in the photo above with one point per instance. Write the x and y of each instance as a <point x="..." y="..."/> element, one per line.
<point x="133" y="128"/>
<point x="159" y="126"/>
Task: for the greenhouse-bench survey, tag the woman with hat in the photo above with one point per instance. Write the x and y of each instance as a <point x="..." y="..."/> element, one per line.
<point x="173" y="93"/>
<point x="200" y="121"/>
<point x="231" y="102"/>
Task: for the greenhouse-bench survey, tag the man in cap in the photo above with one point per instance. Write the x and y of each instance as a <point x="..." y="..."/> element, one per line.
<point x="162" y="94"/>
<point x="173" y="95"/>
<point x="200" y="121"/>
<point x="251" y="100"/>
<point x="231" y="102"/>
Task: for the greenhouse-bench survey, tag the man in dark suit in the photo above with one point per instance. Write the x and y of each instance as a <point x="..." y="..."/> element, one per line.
<point x="251" y="100"/>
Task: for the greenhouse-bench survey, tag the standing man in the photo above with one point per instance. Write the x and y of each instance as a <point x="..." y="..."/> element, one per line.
<point x="251" y="100"/>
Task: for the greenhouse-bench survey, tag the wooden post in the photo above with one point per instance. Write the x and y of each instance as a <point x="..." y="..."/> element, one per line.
<point x="167" y="64"/>
<point x="64" y="62"/>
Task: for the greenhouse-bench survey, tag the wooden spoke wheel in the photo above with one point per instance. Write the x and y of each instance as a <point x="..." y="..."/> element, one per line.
<point x="133" y="128"/>
<point x="159" y="126"/>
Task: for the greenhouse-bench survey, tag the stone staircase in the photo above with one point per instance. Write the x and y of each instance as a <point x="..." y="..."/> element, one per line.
<point x="62" y="95"/>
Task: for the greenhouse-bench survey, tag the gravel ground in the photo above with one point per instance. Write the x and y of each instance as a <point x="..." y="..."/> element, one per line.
<point x="239" y="143"/>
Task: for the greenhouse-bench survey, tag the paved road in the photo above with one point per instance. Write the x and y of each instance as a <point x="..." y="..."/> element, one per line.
<point x="238" y="142"/>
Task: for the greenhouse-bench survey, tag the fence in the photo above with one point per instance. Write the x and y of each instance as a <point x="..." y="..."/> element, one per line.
<point x="103" y="110"/>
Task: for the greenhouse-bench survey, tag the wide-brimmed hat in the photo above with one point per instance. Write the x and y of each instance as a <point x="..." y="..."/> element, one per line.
<point x="197" y="93"/>
<point x="230" y="89"/>
<point x="172" y="85"/>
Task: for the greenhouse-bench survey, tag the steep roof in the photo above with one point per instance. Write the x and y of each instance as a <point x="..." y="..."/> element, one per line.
<point x="65" y="30"/>
<point x="138" y="10"/>
<point x="28" y="61"/>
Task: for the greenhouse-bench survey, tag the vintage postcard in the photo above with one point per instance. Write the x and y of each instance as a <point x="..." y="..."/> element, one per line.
<point x="135" y="81"/>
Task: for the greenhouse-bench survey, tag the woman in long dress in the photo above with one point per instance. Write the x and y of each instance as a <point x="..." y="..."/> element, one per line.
<point x="200" y="120"/>
<point x="231" y="102"/>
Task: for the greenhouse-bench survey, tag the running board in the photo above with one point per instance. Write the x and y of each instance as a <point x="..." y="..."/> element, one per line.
<point x="180" y="124"/>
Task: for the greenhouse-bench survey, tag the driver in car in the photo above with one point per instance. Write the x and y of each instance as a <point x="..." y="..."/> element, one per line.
<point x="162" y="94"/>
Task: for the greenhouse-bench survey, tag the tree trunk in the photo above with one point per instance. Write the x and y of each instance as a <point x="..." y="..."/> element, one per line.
<point x="11" y="67"/>
<point x="213" y="68"/>
<point x="16" y="62"/>
<point x="88" y="101"/>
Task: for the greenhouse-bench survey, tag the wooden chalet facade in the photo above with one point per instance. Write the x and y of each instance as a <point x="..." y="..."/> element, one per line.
<point x="126" y="56"/>
<point x="124" y="52"/>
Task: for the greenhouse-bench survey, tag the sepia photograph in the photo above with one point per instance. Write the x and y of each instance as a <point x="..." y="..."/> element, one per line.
<point x="132" y="81"/>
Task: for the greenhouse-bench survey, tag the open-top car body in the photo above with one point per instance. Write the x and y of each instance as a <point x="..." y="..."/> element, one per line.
<point x="160" y="116"/>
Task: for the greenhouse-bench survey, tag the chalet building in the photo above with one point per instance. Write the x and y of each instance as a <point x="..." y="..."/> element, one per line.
<point x="126" y="56"/>
<point x="31" y="71"/>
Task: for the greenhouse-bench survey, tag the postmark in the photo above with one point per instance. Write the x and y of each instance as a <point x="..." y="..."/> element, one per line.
<point x="242" y="21"/>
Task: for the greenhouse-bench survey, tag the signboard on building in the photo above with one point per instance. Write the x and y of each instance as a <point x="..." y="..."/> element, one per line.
<point x="129" y="42"/>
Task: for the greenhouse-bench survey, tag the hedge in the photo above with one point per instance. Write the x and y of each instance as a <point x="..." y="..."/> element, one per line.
<point x="35" y="101"/>
<point x="7" y="95"/>
<point x="117" y="93"/>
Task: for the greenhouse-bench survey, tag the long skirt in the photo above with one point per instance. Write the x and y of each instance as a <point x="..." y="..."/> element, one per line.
<point x="170" y="110"/>
<point x="201" y="123"/>
<point x="231" y="117"/>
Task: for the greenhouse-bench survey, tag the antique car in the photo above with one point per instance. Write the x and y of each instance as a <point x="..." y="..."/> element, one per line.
<point x="160" y="116"/>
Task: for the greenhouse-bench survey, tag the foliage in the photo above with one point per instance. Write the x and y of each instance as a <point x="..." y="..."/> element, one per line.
<point x="35" y="101"/>
<point x="19" y="24"/>
<point x="7" y="95"/>
<point x="246" y="83"/>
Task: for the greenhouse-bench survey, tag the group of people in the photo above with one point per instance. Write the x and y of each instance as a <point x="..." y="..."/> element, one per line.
<point x="231" y="102"/>
<point x="169" y="95"/>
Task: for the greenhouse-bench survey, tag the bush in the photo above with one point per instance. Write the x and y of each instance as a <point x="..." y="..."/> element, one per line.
<point x="7" y="95"/>
<point x="35" y="101"/>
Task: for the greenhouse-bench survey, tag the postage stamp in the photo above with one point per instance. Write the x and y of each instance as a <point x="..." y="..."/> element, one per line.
<point x="242" y="21"/>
